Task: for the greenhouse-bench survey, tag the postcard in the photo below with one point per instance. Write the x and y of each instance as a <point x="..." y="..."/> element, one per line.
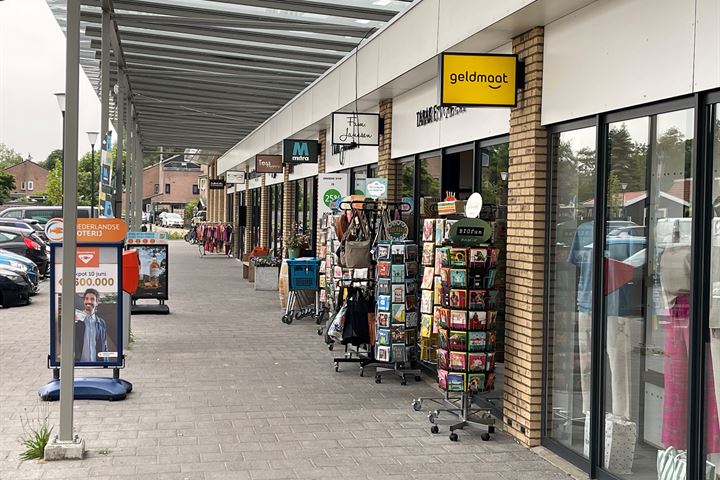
<point x="411" y="253"/>
<point x="443" y="340"/>
<point x="456" y="382"/>
<point x="397" y="254"/>
<point x="384" y="286"/>
<point x="398" y="293"/>
<point x="411" y="269"/>
<point x="427" y="279"/>
<point x="399" y="353"/>
<point x="458" y="361"/>
<point x="398" y="313"/>
<point x="443" y="379"/>
<point x="477" y="320"/>
<point x="426" y="302"/>
<point x="383" y="319"/>
<point x="383" y="268"/>
<point x="382" y="354"/>
<point x="477" y="342"/>
<point x="458" y="340"/>
<point x="411" y="319"/>
<point x="428" y="233"/>
<point x="443" y="359"/>
<point x="476" y="300"/>
<point x="458" y="299"/>
<point x="383" y="252"/>
<point x="477" y="362"/>
<point x="476" y="382"/>
<point x="426" y="325"/>
<point x="478" y="257"/>
<point x="458" y="257"/>
<point x="383" y="337"/>
<point x="439" y="231"/>
<point x="428" y="254"/>
<point x="397" y="333"/>
<point x="458" y="319"/>
<point x="458" y="278"/>
<point x="383" y="303"/>
<point x="398" y="273"/>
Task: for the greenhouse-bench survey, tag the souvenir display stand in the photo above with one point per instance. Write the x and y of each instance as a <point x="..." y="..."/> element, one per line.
<point x="396" y="315"/>
<point x="214" y="239"/>
<point x="458" y="318"/>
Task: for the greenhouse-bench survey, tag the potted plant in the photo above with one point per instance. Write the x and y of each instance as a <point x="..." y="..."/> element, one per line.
<point x="267" y="270"/>
<point x="295" y="244"/>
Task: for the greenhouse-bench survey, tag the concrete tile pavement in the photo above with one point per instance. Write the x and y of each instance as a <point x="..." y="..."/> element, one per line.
<point x="224" y="390"/>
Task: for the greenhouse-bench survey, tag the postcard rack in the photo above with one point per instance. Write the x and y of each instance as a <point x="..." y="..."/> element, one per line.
<point x="462" y="414"/>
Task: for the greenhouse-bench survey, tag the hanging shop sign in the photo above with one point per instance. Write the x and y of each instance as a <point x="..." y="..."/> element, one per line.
<point x="233" y="177"/>
<point x="376" y="188"/>
<point x="478" y="80"/>
<point x="398" y="230"/>
<point x="98" y="309"/>
<point x="300" y="151"/>
<point x="349" y="128"/>
<point x="105" y="187"/>
<point x="331" y="187"/>
<point x="268" y="164"/>
<point x="470" y="232"/>
<point x="216" y="184"/>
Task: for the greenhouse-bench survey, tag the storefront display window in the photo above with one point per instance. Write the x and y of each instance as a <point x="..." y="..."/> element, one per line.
<point x="570" y="284"/>
<point x="305" y="208"/>
<point x="407" y="191"/>
<point x="275" y="215"/>
<point x="494" y="162"/>
<point x="255" y="228"/>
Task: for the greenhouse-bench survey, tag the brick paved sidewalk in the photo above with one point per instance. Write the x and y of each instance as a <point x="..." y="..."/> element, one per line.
<point x="224" y="390"/>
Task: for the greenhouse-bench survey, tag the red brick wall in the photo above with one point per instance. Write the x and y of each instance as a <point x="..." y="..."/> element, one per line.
<point x="29" y="171"/>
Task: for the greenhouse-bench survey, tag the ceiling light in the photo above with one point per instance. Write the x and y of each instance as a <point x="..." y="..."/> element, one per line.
<point x="362" y="20"/>
<point x="381" y="2"/>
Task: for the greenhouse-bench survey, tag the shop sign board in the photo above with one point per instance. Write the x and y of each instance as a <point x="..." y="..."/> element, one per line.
<point x="97" y="302"/>
<point x="268" y="164"/>
<point x="350" y="128"/>
<point x="376" y="188"/>
<point x="216" y="183"/>
<point x="360" y="183"/>
<point x="331" y="187"/>
<point x="233" y="177"/>
<point x="470" y="232"/>
<point x="478" y="80"/>
<point x="97" y="230"/>
<point x="300" y="151"/>
<point x="398" y="230"/>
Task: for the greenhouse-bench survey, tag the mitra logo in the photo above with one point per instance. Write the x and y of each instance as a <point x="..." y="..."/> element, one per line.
<point x="300" y="151"/>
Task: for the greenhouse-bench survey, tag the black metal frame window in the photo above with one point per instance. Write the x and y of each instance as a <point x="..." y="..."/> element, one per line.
<point x="306" y="208"/>
<point x="275" y="215"/>
<point x="255" y="224"/>
<point x="649" y="290"/>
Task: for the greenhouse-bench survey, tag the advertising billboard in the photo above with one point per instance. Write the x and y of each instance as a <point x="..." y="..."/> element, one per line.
<point x="153" y="272"/>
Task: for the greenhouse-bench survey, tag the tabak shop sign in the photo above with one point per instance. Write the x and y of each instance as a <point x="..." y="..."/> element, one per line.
<point x="436" y="113"/>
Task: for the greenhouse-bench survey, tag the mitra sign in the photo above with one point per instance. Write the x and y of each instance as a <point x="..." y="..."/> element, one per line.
<point x="487" y="80"/>
<point x="300" y="151"/>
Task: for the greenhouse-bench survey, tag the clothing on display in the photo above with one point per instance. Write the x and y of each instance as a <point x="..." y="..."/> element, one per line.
<point x="215" y="237"/>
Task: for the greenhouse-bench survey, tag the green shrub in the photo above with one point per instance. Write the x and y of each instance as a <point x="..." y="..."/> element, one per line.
<point x="36" y="434"/>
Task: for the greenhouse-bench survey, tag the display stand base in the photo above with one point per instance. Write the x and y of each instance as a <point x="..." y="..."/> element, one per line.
<point x="397" y="370"/>
<point x="150" y="309"/>
<point x="89" y="388"/>
<point x="354" y="356"/>
<point x="461" y="411"/>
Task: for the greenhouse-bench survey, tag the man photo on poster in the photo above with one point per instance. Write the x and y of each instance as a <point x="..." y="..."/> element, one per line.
<point x="90" y="329"/>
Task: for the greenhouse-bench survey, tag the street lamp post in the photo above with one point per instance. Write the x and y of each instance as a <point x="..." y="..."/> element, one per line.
<point x="623" y="187"/>
<point x="92" y="136"/>
<point x="60" y="97"/>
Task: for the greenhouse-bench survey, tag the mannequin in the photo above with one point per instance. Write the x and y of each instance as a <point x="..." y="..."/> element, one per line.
<point x="675" y="272"/>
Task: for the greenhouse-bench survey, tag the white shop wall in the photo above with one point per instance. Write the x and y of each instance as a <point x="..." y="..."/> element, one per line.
<point x="474" y="124"/>
<point x="304" y="171"/>
<point x="596" y="60"/>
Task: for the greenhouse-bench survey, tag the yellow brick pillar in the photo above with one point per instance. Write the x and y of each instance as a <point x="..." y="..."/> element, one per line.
<point x="264" y="213"/>
<point x="387" y="168"/>
<point x="322" y="163"/>
<point x="288" y="209"/>
<point x="248" y="213"/>
<point x="526" y="249"/>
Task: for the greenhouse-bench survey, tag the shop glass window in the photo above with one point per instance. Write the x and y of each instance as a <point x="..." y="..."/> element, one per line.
<point x="458" y="173"/>
<point x="712" y="392"/>
<point x="430" y="173"/>
<point x="373" y="171"/>
<point x="310" y="210"/>
<point x="407" y="190"/>
<point x="494" y="160"/>
<point x="167" y="188"/>
<point x="358" y="178"/>
<point x="569" y="280"/>
<point x="647" y="292"/>
<point x="299" y="205"/>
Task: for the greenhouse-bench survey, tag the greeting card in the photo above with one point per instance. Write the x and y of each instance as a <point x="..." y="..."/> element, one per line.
<point x="476" y="382"/>
<point x="398" y="273"/>
<point x="426" y="325"/>
<point x="442" y="316"/>
<point x="411" y="319"/>
<point x="491" y="319"/>
<point x="456" y="382"/>
<point x="490" y="363"/>
<point x="411" y="253"/>
<point x="398" y="293"/>
<point x="399" y="352"/>
<point x="443" y="379"/>
<point x="397" y="333"/>
<point x="410" y="336"/>
<point x="458" y="299"/>
<point x="439" y="231"/>
<point x="428" y="254"/>
<point x="383" y="252"/>
<point x="458" y="257"/>
<point x="477" y="320"/>
<point x="458" y="340"/>
<point x="383" y="303"/>
<point x="478" y="257"/>
<point x="458" y="361"/>
<point x="448" y="227"/>
<point x="477" y="342"/>
<point x="411" y="269"/>
<point x="398" y="313"/>
<point x="426" y="302"/>
<point x="493" y="255"/>
<point x="458" y="319"/>
<point x="428" y="232"/>
<point x="410" y="303"/>
<point x="476" y="300"/>
<point x="383" y="337"/>
<point x="476" y="362"/>
<point x="384" y="286"/>
<point x="490" y="381"/>
<point x="427" y="278"/>
<point x="438" y="292"/>
<point x="443" y="359"/>
<point x="383" y="269"/>
<point x="383" y="319"/>
<point x="490" y="340"/>
<point x="382" y="354"/>
<point x="410" y="287"/>
<point x="458" y="278"/>
<point x="443" y="338"/>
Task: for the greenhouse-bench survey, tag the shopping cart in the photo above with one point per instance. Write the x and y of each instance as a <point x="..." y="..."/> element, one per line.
<point x="304" y="297"/>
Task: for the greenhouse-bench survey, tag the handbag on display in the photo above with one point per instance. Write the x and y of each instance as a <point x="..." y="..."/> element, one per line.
<point x="335" y="330"/>
<point x="672" y="465"/>
<point x="620" y="440"/>
<point x="356" y="253"/>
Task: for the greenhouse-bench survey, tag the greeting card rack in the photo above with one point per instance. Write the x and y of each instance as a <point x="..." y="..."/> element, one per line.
<point x="458" y="310"/>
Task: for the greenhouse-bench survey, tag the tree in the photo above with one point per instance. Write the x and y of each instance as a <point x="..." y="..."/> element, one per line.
<point x="8" y="157"/>
<point x="54" y="157"/>
<point x="7" y="185"/>
<point x="54" y="185"/>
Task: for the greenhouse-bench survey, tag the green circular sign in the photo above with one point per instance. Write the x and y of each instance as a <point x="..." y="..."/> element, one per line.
<point x="330" y="196"/>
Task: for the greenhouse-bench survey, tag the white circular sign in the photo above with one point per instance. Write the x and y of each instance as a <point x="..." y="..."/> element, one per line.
<point x="54" y="229"/>
<point x="473" y="205"/>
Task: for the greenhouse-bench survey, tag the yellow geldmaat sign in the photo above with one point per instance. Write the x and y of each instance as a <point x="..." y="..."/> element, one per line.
<point x="478" y="80"/>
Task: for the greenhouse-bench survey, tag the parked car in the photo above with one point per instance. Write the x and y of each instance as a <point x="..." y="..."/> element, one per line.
<point x="28" y="224"/>
<point x="22" y="264"/>
<point x="15" y="288"/>
<point x="41" y="214"/>
<point x="29" y="245"/>
<point x="173" y="220"/>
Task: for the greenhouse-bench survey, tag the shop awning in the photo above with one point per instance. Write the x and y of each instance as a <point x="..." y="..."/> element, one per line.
<point x="203" y="74"/>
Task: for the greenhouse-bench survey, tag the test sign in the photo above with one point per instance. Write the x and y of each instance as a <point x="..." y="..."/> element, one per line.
<point x="478" y="80"/>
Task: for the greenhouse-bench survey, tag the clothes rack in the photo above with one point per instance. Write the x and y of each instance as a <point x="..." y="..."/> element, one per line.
<point x="214" y="238"/>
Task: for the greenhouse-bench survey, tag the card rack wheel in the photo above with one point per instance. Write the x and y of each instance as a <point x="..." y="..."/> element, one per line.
<point x="337" y="367"/>
<point x="417" y="405"/>
<point x="362" y="371"/>
<point x="320" y="331"/>
<point x="378" y="379"/>
<point x="453" y="437"/>
<point x="331" y="346"/>
<point x="434" y="429"/>
<point x="485" y="437"/>
<point x="285" y="318"/>
<point x="403" y="380"/>
<point x="418" y="378"/>
<point x="431" y="417"/>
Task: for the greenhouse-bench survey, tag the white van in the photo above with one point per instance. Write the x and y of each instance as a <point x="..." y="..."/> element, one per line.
<point x="41" y="213"/>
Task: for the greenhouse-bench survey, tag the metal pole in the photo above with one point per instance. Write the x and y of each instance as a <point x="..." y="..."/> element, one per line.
<point x="128" y="162"/>
<point x="62" y="181"/>
<point x="138" y="190"/>
<point x="105" y="75"/>
<point x="92" y="180"/>
<point x="120" y="102"/>
<point x="67" y="334"/>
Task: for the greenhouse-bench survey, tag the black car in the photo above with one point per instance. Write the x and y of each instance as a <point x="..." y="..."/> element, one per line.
<point x="28" y="224"/>
<point x="15" y="288"/>
<point x="29" y="245"/>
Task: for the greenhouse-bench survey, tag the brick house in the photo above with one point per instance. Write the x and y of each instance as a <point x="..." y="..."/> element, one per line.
<point x="169" y="186"/>
<point x="30" y="179"/>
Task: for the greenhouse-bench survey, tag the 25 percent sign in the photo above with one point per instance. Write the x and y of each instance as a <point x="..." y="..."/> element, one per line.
<point x="94" y="278"/>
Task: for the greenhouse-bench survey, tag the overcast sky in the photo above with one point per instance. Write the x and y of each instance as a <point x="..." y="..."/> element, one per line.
<point x="32" y="69"/>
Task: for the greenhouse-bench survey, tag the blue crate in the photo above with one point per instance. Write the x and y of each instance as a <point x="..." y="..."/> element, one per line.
<point x="304" y="273"/>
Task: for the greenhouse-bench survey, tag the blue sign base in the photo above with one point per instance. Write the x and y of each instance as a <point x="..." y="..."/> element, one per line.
<point x="90" y="388"/>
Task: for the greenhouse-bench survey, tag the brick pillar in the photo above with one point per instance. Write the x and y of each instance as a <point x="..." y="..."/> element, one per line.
<point x="235" y="224"/>
<point x="264" y="214"/>
<point x="526" y="249"/>
<point x="248" y="211"/>
<point x="322" y="164"/>
<point x="212" y="205"/>
<point x="387" y="168"/>
<point x="288" y="210"/>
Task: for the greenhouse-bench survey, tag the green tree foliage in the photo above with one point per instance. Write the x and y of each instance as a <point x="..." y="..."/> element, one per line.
<point x="7" y="185"/>
<point x="614" y="196"/>
<point x="8" y="157"/>
<point x="628" y="158"/>
<point x="191" y="208"/>
<point x="54" y="185"/>
<point x="54" y="157"/>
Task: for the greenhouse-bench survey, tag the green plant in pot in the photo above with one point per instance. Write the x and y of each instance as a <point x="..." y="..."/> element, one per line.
<point x="295" y="244"/>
